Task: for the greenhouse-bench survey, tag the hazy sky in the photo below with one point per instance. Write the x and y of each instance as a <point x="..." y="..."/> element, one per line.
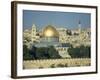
<point x="41" y="19"/>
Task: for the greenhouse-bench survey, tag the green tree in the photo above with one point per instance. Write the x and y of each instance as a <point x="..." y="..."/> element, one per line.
<point x="41" y="53"/>
<point x="26" y="54"/>
<point x="47" y="53"/>
<point x="53" y="53"/>
<point x="32" y="52"/>
<point x="80" y="52"/>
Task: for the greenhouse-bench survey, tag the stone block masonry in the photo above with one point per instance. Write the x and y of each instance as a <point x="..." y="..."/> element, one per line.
<point x="52" y="63"/>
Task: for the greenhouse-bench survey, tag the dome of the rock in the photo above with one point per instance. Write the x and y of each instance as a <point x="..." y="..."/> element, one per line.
<point x="50" y="31"/>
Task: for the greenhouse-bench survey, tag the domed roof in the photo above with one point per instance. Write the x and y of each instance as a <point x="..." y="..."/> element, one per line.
<point x="50" y="31"/>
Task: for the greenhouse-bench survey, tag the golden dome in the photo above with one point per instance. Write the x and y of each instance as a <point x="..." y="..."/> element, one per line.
<point x="50" y="31"/>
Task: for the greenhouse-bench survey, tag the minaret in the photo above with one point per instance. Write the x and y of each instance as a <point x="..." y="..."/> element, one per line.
<point x="33" y="33"/>
<point x="79" y="26"/>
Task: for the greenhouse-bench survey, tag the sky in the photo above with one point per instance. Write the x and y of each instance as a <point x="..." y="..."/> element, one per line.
<point x="67" y="20"/>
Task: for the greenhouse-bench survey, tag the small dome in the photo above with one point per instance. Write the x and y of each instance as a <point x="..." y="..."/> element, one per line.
<point x="50" y="31"/>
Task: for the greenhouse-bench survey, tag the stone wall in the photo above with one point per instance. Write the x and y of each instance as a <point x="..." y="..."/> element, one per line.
<point x="48" y="63"/>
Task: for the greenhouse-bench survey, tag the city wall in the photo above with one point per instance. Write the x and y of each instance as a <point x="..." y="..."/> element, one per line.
<point x="48" y="63"/>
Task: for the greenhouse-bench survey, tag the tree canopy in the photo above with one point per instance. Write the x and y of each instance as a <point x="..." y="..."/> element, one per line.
<point x="40" y="53"/>
<point x="80" y="52"/>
